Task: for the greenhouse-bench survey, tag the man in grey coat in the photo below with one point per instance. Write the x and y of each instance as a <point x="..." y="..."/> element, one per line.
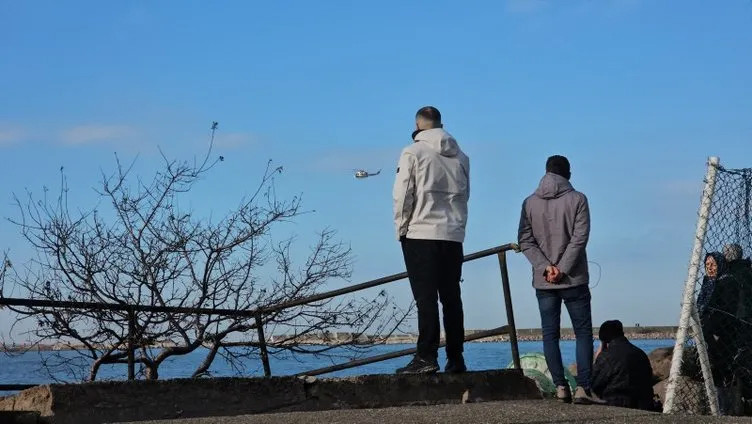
<point x="553" y="233"/>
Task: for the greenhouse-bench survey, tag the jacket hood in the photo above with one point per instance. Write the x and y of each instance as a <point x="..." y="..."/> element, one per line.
<point x="552" y="186"/>
<point x="438" y="140"/>
<point x="720" y="262"/>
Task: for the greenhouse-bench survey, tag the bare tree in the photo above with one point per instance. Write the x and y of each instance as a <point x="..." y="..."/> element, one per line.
<point x="5" y="267"/>
<point x="140" y="247"/>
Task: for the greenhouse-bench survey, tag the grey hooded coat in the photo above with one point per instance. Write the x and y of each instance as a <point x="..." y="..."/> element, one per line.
<point x="554" y="230"/>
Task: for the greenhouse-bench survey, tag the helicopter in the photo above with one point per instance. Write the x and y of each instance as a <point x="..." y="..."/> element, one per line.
<point x="361" y="173"/>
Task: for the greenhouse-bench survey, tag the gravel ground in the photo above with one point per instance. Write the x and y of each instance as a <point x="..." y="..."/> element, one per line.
<point x="526" y="412"/>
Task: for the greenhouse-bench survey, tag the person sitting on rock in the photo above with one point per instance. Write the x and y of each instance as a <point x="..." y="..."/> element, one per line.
<point x="622" y="375"/>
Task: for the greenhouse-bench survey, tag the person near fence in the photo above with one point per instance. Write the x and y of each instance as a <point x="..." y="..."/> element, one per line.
<point x="622" y="375"/>
<point x="553" y="234"/>
<point x="738" y="265"/>
<point x="720" y="307"/>
<point x="715" y="265"/>
<point x="741" y="269"/>
<point x="431" y="193"/>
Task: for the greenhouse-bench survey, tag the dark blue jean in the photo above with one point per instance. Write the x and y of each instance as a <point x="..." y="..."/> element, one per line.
<point x="577" y="301"/>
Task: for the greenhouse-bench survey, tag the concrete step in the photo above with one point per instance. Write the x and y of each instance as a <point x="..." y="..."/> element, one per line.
<point x="107" y="402"/>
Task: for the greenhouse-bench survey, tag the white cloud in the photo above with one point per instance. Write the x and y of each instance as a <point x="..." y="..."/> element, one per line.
<point x="600" y="7"/>
<point x="86" y="134"/>
<point x="608" y="8"/>
<point x="625" y="5"/>
<point x="11" y="135"/>
<point x="525" y="6"/>
<point x="234" y="140"/>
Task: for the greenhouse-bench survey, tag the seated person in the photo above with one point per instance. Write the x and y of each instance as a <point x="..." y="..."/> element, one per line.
<point x="622" y="375"/>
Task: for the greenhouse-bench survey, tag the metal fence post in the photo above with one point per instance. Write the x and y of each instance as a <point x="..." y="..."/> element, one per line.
<point x="510" y="311"/>
<point x="688" y="299"/>
<point x="131" y="345"/>
<point x="262" y="346"/>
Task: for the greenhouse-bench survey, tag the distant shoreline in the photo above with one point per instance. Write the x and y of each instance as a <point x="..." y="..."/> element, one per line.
<point x="523" y="335"/>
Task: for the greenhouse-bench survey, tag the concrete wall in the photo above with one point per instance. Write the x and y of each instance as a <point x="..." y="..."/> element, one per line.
<point x="94" y="403"/>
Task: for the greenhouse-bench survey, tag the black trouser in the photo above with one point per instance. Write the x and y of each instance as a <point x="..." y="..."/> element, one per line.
<point x="434" y="268"/>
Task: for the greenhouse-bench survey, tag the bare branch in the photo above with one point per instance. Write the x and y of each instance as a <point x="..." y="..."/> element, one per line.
<point x="138" y="246"/>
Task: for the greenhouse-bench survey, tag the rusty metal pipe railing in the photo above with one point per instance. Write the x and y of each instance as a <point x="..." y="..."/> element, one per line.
<point x="506" y="329"/>
<point x="262" y="346"/>
<point x="257" y="313"/>
<point x="10" y="387"/>
<point x="510" y="312"/>
<point x="94" y="306"/>
<point x="378" y="281"/>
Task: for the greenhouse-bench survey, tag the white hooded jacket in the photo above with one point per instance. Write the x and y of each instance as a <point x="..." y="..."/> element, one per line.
<point x="432" y="188"/>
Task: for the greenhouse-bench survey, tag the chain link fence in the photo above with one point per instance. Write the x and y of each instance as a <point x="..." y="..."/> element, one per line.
<point x="711" y="371"/>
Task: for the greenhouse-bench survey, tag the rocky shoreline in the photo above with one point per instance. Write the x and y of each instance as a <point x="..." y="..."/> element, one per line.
<point x="535" y="335"/>
<point x="523" y="335"/>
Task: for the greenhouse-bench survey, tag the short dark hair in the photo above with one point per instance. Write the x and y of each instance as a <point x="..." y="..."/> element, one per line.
<point x="610" y="330"/>
<point x="559" y="165"/>
<point x="429" y="113"/>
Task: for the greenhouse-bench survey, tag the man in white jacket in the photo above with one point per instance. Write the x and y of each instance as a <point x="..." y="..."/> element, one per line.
<point x="430" y="213"/>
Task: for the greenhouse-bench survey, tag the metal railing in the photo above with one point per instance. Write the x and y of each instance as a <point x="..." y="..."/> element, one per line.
<point x="398" y="353"/>
<point x="258" y="314"/>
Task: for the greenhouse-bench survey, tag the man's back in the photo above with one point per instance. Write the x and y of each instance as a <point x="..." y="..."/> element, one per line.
<point x="554" y="230"/>
<point x="432" y="188"/>
<point x="430" y="196"/>
<point x="622" y="375"/>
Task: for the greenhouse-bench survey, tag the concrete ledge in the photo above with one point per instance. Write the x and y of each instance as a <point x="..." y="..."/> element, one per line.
<point x="19" y="417"/>
<point x="100" y="402"/>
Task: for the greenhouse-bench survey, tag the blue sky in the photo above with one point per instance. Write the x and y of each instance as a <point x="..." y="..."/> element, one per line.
<point x="636" y="93"/>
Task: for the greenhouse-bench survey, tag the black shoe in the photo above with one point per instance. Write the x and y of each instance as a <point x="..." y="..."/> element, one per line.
<point x="583" y="396"/>
<point x="455" y="366"/>
<point x="419" y="366"/>
<point x="564" y="394"/>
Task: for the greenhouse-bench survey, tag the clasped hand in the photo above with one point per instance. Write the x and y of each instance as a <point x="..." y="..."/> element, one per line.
<point x="553" y="274"/>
